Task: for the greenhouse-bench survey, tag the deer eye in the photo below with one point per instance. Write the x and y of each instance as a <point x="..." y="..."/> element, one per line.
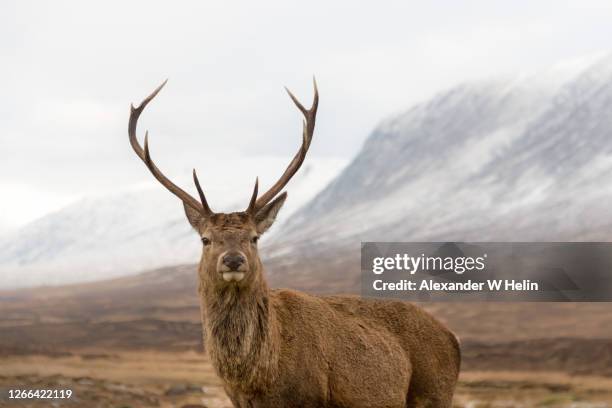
<point x="205" y="241"/>
<point x="255" y="239"/>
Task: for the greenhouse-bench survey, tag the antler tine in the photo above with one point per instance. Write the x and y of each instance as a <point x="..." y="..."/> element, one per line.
<point x="205" y="206"/>
<point x="145" y="156"/>
<point x="251" y="208"/>
<point x="310" y="116"/>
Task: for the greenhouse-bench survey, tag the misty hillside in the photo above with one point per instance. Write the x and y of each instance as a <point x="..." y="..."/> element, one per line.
<point x="516" y="159"/>
<point x="105" y="237"/>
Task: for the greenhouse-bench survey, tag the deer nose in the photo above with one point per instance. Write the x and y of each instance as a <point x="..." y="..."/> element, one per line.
<point x="233" y="261"/>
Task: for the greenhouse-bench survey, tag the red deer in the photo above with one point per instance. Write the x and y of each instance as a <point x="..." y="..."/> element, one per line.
<point x="284" y="348"/>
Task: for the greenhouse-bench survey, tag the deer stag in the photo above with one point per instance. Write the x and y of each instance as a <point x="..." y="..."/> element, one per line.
<point x="283" y="348"/>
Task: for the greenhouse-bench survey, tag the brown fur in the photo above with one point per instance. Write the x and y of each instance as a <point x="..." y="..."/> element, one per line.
<point x="283" y="348"/>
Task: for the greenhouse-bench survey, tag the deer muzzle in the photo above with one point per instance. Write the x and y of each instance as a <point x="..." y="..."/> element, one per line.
<point x="232" y="266"/>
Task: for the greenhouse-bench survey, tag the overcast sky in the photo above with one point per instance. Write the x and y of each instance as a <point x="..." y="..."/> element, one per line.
<point x="70" y="69"/>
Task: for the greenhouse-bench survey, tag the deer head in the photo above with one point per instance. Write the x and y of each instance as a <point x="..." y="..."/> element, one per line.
<point x="229" y="240"/>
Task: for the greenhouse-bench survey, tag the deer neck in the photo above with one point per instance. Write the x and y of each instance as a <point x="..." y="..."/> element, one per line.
<point x="241" y="334"/>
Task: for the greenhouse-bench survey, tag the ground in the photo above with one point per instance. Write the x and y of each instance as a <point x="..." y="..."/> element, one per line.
<point x="136" y="342"/>
<point x="186" y="379"/>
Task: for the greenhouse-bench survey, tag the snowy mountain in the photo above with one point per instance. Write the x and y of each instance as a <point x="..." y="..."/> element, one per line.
<point x="522" y="158"/>
<point x="105" y="237"/>
<point x="516" y="159"/>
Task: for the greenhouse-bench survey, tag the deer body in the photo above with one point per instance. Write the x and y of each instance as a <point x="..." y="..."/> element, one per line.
<point x="336" y="351"/>
<point x="283" y="348"/>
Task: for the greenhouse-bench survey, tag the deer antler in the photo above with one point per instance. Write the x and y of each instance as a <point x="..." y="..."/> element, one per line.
<point x="145" y="156"/>
<point x="310" y="116"/>
<point x="251" y="208"/>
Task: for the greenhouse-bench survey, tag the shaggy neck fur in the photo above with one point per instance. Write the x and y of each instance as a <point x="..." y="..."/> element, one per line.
<point x="241" y="334"/>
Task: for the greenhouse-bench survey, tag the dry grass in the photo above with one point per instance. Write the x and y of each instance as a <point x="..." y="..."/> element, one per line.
<point x="128" y="379"/>
<point x="149" y="378"/>
<point x="134" y="342"/>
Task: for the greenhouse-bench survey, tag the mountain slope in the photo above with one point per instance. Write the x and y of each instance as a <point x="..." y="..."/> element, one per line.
<point x="106" y="237"/>
<point x="520" y="159"/>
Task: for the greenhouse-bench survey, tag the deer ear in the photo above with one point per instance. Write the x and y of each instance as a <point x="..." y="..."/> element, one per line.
<point x="195" y="217"/>
<point x="266" y="216"/>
